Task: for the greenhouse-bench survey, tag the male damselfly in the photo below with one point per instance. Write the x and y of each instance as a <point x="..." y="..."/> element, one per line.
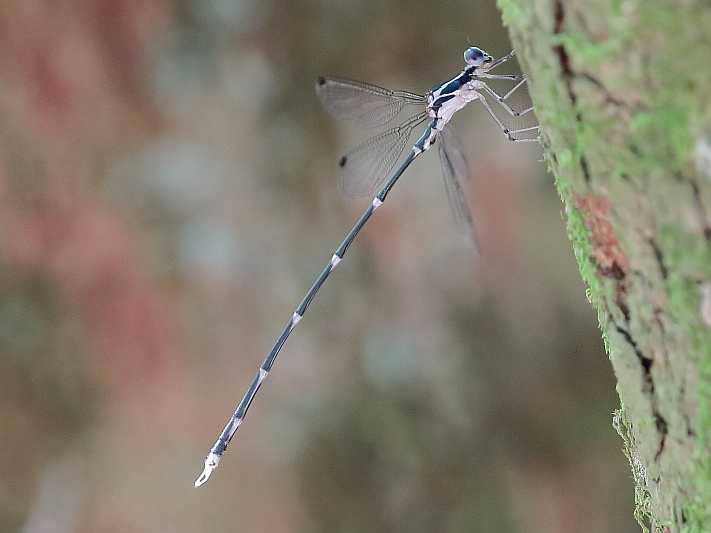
<point x="369" y="165"/>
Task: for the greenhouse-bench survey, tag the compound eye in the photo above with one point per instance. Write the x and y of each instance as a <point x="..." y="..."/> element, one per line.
<point x="473" y="56"/>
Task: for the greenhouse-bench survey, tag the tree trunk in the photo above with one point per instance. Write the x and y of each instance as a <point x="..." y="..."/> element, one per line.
<point x="622" y="90"/>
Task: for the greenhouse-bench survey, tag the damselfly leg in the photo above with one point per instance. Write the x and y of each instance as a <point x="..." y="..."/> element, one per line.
<point x="501" y="100"/>
<point x="511" y="134"/>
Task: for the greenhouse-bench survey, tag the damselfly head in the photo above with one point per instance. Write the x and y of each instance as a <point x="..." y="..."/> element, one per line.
<point x="476" y="57"/>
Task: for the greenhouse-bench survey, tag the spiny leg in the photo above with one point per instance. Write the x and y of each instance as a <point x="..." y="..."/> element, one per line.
<point x="513" y="89"/>
<point x="509" y="77"/>
<point x="509" y="133"/>
<point x="524" y="130"/>
<point x="501" y="100"/>
<point x="502" y="60"/>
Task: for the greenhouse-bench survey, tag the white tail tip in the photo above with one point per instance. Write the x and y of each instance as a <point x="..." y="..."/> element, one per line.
<point x="211" y="462"/>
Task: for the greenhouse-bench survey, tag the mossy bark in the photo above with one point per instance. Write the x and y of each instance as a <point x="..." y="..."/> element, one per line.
<point x="622" y="90"/>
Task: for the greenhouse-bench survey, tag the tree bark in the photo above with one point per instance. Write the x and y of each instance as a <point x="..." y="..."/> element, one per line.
<point x="622" y="90"/>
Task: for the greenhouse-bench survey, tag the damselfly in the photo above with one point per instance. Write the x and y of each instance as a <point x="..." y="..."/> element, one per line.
<point x="369" y="165"/>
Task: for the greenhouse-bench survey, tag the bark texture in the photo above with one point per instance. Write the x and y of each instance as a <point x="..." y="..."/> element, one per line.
<point x="622" y="89"/>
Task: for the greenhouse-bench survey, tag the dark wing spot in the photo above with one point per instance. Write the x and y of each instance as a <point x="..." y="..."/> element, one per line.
<point x="320" y="80"/>
<point x="342" y="161"/>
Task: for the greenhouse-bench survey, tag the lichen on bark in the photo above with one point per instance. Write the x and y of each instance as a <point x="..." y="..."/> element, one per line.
<point x="622" y="90"/>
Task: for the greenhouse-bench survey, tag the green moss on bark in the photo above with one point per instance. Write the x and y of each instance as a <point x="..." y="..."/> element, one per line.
<point x="623" y="93"/>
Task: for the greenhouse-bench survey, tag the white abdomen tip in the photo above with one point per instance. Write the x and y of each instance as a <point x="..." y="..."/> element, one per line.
<point x="211" y="462"/>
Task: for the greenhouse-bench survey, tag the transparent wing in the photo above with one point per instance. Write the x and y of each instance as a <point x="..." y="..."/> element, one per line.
<point x="367" y="104"/>
<point x="455" y="172"/>
<point x="369" y="164"/>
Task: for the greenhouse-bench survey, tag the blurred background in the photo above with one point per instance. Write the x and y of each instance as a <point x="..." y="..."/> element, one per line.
<point x="168" y="190"/>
